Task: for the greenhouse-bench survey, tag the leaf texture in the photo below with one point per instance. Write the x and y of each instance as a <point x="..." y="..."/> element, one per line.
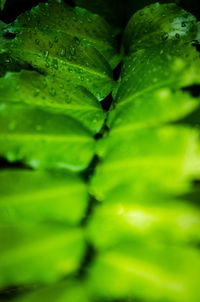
<point x="44" y="140"/>
<point x="45" y="92"/>
<point x="64" y="49"/>
<point x="145" y="231"/>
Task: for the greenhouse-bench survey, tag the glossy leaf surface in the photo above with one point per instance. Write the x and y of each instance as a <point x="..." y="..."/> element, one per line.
<point x="61" y="50"/>
<point x="54" y="95"/>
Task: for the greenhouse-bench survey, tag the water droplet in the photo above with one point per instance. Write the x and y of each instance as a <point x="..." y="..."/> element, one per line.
<point x="52" y="91"/>
<point x="183" y="24"/>
<point x="72" y="50"/>
<point x="47" y="64"/>
<point x="36" y="92"/>
<point x="63" y="52"/>
<point x="10" y="156"/>
<point x="165" y="36"/>
<point x="55" y="64"/>
<point x="44" y="83"/>
<point x="67" y="100"/>
<point x="37" y="42"/>
<point x="177" y="36"/>
<point x="46" y="53"/>
<point x="77" y="41"/>
<point x="89" y="19"/>
<point x="35" y="163"/>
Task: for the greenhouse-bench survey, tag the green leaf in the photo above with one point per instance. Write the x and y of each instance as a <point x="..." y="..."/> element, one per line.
<point x="156" y="23"/>
<point x="161" y="62"/>
<point x="63" y="43"/>
<point x="70" y="291"/>
<point x="144" y="218"/>
<point x="162" y="160"/>
<point x="44" y="140"/>
<point x="2" y="4"/>
<point x="151" y="91"/>
<point x="147" y="272"/>
<point x="29" y="196"/>
<point x="112" y="10"/>
<point x="116" y="12"/>
<point x="38" y="253"/>
<point x="51" y="94"/>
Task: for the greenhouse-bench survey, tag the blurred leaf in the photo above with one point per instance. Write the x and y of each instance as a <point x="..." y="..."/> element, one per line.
<point x="149" y="273"/>
<point x="38" y="253"/>
<point x="44" y="140"/>
<point x="2" y="3"/>
<point x="158" y="160"/>
<point x="33" y="196"/>
<point x="54" y="95"/>
<point x="70" y="291"/>
<point x="147" y="218"/>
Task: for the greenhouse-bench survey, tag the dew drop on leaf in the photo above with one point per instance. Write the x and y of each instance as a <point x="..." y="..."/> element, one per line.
<point x="50" y="44"/>
<point x="63" y="52"/>
<point x="165" y="36"/>
<point x="55" y="64"/>
<point x="72" y="50"/>
<point x="36" y="92"/>
<point x="52" y="91"/>
<point x="67" y="100"/>
<point x="183" y="24"/>
<point x="89" y="19"/>
<point x="46" y="53"/>
<point x="77" y="41"/>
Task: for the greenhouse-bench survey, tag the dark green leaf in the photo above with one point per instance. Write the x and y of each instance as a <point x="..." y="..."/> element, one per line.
<point x="58" y="40"/>
<point x="54" y="95"/>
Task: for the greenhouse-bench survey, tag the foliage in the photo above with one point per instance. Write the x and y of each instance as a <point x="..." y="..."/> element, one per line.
<point x="101" y="206"/>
